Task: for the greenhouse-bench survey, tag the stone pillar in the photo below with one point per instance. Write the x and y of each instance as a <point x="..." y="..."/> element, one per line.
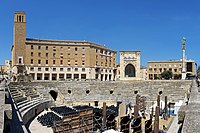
<point x="50" y="76"/>
<point x="65" y="76"/>
<point x="42" y="76"/>
<point x="166" y="106"/>
<point x="57" y="76"/>
<point x="104" y="115"/>
<point x="156" y="121"/>
<point x="35" y="76"/>
<point x="136" y="111"/>
<point x="137" y="99"/>
<point x="158" y="101"/>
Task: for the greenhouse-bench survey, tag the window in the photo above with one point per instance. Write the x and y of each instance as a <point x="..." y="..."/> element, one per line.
<point x="61" y="69"/>
<point x="31" y="53"/>
<point x="47" y="62"/>
<point x="76" y="54"/>
<point x="83" y="69"/>
<point x="39" y="47"/>
<point x="61" y="62"/>
<point x="39" y="61"/>
<point x="32" y="69"/>
<point x="31" y="46"/>
<point x="39" y="68"/>
<point x="54" y="69"/>
<point x="54" y="55"/>
<point x="83" y="49"/>
<point x="76" y="49"/>
<point x="31" y="61"/>
<point x="39" y="54"/>
<point x="175" y="70"/>
<point x="20" y="60"/>
<point x="160" y="69"/>
<point x="68" y="48"/>
<point x="68" y="69"/>
<point x="54" y="62"/>
<point x="46" y="69"/>
<point x="47" y="54"/>
<point x="69" y="54"/>
<point x="61" y="48"/>
<point x="76" y="69"/>
<point x="155" y="69"/>
<point x="47" y="47"/>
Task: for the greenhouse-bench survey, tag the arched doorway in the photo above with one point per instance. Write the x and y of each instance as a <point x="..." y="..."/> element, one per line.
<point x="129" y="71"/>
<point x="54" y="94"/>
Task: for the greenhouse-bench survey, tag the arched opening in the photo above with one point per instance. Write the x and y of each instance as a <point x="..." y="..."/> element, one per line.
<point x="129" y="71"/>
<point x="54" y="94"/>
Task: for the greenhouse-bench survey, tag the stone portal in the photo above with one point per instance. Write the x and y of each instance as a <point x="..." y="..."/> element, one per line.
<point x="129" y="65"/>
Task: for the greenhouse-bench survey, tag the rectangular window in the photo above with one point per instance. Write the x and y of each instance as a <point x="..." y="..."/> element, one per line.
<point x="61" y="62"/>
<point x="20" y="60"/>
<point x="47" y="54"/>
<point x="31" y="61"/>
<point x="39" y="47"/>
<point x="32" y="54"/>
<point x="32" y="69"/>
<point x="68" y="69"/>
<point x="83" y="69"/>
<point x="61" y="69"/>
<point x="46" y="69"/>
<point x="76" y="69"/>
<point x="39" y="54"/>
<point x="54" y="69"/>
<point x="39" y="68"/>
<point x="54" y="62"/>
<point x="76" y="49"/>
<point x="39" y="61"/>
<point x="47" y="47"/>
<point x="54" y="55"/>
<point x="47" y="62"/>
<point x="68" y="48"/>
<point x="31" y="46"/>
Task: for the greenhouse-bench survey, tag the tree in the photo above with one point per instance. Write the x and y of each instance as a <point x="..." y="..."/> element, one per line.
<point x="167" y="74"/>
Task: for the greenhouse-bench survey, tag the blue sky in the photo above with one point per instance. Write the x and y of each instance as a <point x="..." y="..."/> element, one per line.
<point x="154" y="27"/>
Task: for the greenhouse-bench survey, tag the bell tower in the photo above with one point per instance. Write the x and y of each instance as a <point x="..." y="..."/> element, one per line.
<point x="18" y="47"/>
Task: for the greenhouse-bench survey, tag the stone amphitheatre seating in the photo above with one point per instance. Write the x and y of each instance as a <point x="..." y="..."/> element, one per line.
<point x="29" y="102"/>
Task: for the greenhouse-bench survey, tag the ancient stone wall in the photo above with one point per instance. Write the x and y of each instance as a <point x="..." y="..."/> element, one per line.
<point x="118" y="91"/>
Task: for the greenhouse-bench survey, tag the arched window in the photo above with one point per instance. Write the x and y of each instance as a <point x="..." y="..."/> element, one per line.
<point x="129" y="71"/>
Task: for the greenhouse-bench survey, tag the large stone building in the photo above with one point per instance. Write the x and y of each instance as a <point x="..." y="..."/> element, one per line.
<point x="60" y="59"/>
<point x="5" y="70"/>
<point x="130" y="65"/>
<point x="155" y="68"/>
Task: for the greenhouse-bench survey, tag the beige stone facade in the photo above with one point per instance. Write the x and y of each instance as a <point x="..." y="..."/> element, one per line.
<point x="130" y="65"/>
<point x="60" y="59"/>
<point x="155" y="68"/>
<point x="143" y="73"/>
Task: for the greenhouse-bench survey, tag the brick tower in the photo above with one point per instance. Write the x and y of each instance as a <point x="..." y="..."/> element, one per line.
<point x="18" y="47"/>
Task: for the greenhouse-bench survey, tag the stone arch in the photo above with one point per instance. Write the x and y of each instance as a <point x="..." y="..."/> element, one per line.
<point x="130" y="71"/>
<point x="54" y="94"/>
